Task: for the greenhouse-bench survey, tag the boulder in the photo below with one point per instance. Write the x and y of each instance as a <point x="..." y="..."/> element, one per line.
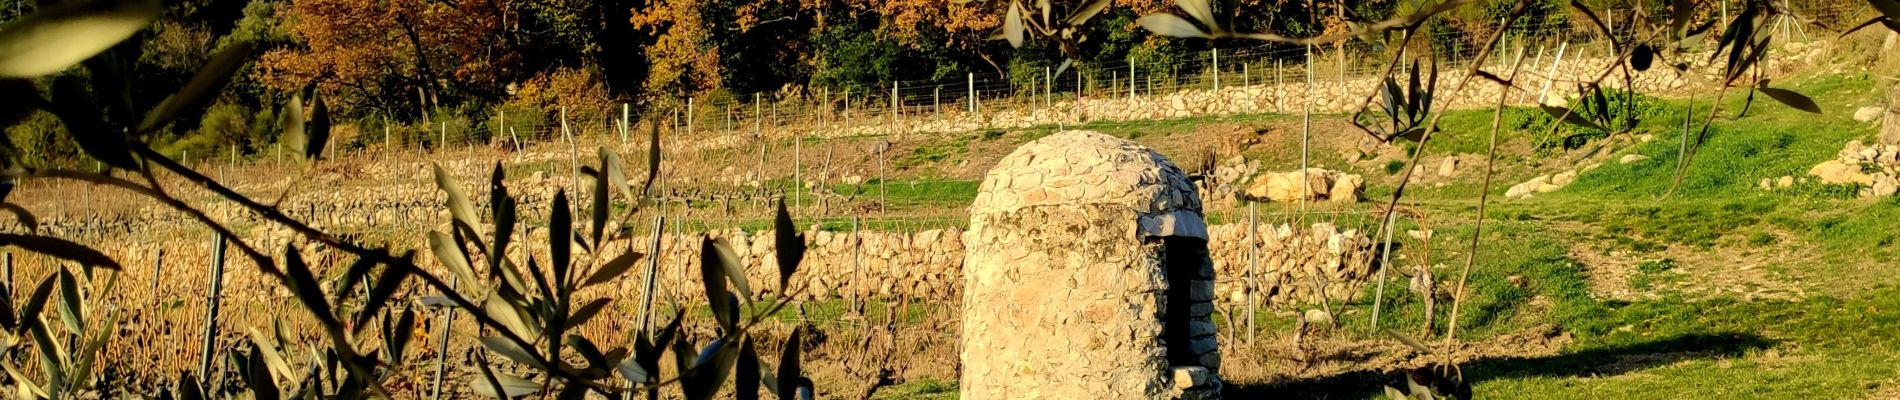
<point x="1632" y="158"/>
<point x="1347" y="188"/>
<point x="1835" y="172"/>
<point x="1286" y="186"/>
<point x="1449" y="167"/>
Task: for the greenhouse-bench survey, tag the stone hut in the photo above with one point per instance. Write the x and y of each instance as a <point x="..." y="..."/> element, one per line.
<point x="1087" y="276"/>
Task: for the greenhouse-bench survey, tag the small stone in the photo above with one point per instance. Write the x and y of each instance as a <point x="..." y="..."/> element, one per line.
<point x="1851" y="151"/>
<point x="1631" y="158"/>
<point x="1191" y="376"/>
<point x="1885" y="185"/>
<point x="1867" y="114"/>
<point x="1564" y="179"/>
<point x="1319" y="318"/>
<point x="1785" y="181"/>
<point x="1766" y="184"/>
<point x="1448" y="167"/>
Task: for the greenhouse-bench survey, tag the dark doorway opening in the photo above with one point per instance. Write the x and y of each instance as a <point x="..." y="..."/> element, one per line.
<point x="1184" y="260"/>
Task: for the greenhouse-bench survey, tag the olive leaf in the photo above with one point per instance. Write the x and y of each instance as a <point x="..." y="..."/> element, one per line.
<point x="788" y="372"/>
<point x="380" y="293"/>
<point x="1642" y="56"/>
<point x="1170" y="25"/>
<point x="72" y="311"/>
<point x="1013" y="24"/>
<point x="745" y="382"/>
<point x="7" y="319"/>
<point x="60" y="248"/>
<point x="35" y="303"/>
<point x="1571" y="117"/>
<point x="1087" y="11"/>
<point x="560" y="238"/>
<point x="319" y="129"/>
<point x="399" y="334"/>
<point x="613" y="268"/>
<point x="1791" y="99"/>
<point x="508" y="348"/>
<point x="459" y="207"/>
<point x="715" y="362"/>
<point x="63" y="34"/>
<point x="790" y="246"/>
<point x="302" y="283"/>
<point x="501" y="385"/>
<point x="1200" y="10"/>
<point x="203" y="87"/>
<point x="75" y="108"/>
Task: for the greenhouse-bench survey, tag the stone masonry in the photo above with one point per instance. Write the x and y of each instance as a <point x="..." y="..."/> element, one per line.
<point x="1076" y="242"/>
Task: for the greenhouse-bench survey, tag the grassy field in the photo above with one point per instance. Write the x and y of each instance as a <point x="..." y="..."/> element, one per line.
<point x="1718" y="290"/>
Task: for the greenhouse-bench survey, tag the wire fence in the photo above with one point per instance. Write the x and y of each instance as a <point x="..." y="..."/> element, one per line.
<point x="756" y="120"/>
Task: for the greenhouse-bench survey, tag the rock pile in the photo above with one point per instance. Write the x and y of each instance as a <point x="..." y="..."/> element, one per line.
<point x="1290" y="262"/>
<point x="1876" y="168"/>
<point x="1319" y="184"/>
<point x="1550" y="183"/>
<point x="1225" y="186"/>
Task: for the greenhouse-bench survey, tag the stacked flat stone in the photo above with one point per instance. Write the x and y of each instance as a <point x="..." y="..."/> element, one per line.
<point x="1291" y="266"/>
<point x="1064" y="283"/>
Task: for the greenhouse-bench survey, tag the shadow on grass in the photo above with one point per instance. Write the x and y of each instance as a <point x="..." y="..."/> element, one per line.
<point x="1604" y="361"/>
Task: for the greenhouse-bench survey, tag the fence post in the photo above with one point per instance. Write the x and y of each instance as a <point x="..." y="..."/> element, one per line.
<point x="1535" y="61"/>
<point x="1552" y="75"/>
<point x="936" y="101"/>
<point x="1131" y="78"/>
<point x="758" y="117"/>
<point x="1048" y="88"/>
<point x="894" y="105"/>
<point x="1253" y="261"/>
<point x="1215" y="54"/>
<point x="847" y="107"/>
<point x="1306" y="128"/>
<point x="798" y="171"/>
<point x="1378" y="298"/>
<point x="972" y="82"/>
<point x="208" y="351"/>
<point x="158" y="264"/>
<point x="1342" y="70"/>
<point x="857" y="272"/>
<point x="624" y="122"/>
<point x="653" y="265"/>
<point x="442" y="350"/>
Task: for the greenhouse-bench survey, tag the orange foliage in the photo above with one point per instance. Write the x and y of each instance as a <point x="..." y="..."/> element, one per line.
<point x="355" y="45"/>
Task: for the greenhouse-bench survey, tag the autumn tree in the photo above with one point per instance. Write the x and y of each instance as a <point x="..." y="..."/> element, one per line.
<point x="395" y="56"/>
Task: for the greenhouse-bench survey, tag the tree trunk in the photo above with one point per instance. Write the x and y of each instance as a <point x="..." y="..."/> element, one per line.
<point x="1890" y="121"/>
